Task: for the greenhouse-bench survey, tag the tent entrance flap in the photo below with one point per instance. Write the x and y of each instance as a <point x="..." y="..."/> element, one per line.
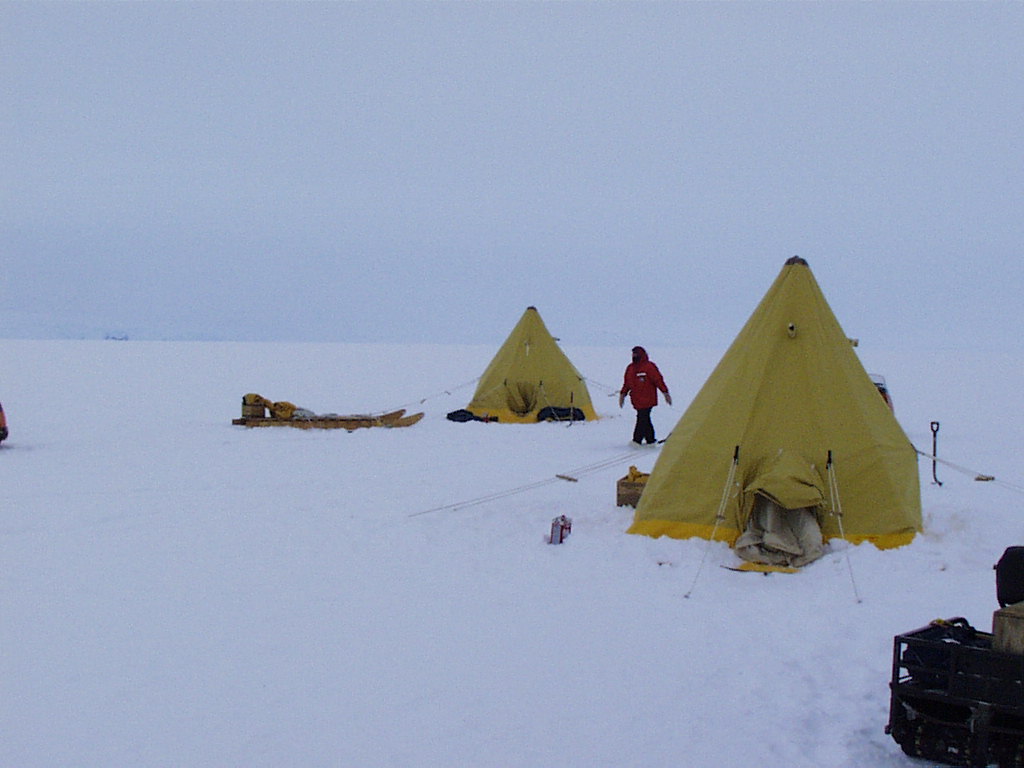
<point x="521" y="397"/>
<point x="779" y="536"/>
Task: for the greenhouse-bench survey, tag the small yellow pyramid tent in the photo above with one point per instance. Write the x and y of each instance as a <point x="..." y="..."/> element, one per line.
<point x="788" y="395"/>
<point x="528" y="376"/>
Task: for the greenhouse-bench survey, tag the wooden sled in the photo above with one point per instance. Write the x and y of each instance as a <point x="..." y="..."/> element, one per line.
<point x="353" y="422"/>
<point x="259" y="412"/>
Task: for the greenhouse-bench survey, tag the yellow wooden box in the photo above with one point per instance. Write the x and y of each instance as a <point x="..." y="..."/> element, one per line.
<point x="629" y="488"/>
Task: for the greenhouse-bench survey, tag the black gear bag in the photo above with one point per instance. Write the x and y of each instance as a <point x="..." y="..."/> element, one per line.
<point x="1010" y="577"/>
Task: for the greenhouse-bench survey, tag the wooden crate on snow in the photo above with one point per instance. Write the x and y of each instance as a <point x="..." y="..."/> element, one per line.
<point x="629" y="488"/>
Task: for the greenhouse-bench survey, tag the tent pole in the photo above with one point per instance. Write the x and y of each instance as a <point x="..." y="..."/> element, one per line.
<point x="837" y="510"/>
<point x="719" y="516"/>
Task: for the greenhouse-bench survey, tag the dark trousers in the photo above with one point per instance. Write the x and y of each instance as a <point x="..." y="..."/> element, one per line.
<point x="644" y="429"/>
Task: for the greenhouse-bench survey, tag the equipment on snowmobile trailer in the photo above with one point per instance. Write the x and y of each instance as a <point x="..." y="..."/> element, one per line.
<point x="954" y="699"/>
<point x="1010" y="577"/>
<point x="1008" y="629"/>
<point x="956" y="693"/>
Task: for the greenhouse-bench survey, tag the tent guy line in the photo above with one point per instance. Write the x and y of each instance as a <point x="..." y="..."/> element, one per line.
<point x="572" y="475"/>
<point x="442" y="393"/>
<point x="837" y="510"/>
<point x="981" y="477"/>
<point x="609" y="390"/>
<point x="719" y="516"/>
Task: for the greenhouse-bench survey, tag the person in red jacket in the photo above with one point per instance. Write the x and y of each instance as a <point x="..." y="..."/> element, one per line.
<point x="642" y="382"/>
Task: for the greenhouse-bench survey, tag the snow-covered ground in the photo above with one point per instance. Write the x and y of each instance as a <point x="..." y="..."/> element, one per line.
<point x="178" y="591"/>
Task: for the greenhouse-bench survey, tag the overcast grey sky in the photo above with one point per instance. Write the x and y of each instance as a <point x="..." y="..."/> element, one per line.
<point x="422" y="172"/>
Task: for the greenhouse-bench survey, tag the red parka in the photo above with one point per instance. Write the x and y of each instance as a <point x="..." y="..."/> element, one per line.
<point x="642" y="381"/>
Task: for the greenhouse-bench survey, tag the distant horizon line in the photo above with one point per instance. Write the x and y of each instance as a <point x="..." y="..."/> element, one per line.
<point x="707" y="345"/>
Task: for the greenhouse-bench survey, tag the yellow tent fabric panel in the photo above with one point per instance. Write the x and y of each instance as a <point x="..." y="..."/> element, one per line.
<point x="681" y="530"/>
<point x="763" y="568"/>
<point x="530" y="372"/>
<point x="788" y="390"/>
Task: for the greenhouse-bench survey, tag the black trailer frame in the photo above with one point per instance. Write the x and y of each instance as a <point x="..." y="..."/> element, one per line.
<point x="955" y="700"/>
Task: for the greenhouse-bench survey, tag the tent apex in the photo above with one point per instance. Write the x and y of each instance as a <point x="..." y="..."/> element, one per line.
<point x="795" y="260"/>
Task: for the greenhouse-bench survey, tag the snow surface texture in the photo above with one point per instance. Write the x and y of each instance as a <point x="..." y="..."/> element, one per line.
<point x="179" y="591"/>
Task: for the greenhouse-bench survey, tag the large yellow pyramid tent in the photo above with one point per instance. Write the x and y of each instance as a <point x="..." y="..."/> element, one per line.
<point x="788" y="420"/>
<point x="530" y="379"/>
